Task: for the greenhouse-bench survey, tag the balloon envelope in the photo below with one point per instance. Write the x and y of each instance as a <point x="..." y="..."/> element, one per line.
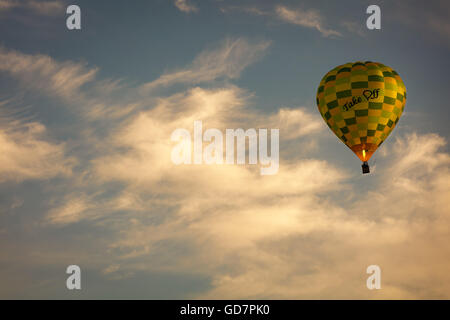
<point x="361" y="103"/>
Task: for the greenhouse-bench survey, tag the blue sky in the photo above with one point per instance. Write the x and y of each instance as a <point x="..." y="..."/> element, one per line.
<point x="85" y="171"/>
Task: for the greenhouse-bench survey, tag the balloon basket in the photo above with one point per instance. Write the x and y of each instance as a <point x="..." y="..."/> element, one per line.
<point x="365" y="167"/>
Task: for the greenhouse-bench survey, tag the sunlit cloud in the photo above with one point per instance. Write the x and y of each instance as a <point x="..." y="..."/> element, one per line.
<point x="43" y="73"/>
<point x="227" y="61"/>
<point x="185" y="6"/>
<point x="306" y="18"/>
<point x="309" y="18"/>
<point x="297" y="241"/>
<point x="38" y="7"/>
<point x="306" y="232"/>
<point x="69" y="212"/>
<point x="26" y="153"/>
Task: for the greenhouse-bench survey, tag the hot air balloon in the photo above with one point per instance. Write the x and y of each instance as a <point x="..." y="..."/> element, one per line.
<point x="361" y="103"/>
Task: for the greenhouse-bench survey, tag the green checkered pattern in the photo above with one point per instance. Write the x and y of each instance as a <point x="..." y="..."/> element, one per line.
<point x="368" y="121"/>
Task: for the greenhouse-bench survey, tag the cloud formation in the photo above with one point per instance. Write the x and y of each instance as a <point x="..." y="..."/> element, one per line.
<point x="306" y="18"/>
<point x="185" y="6"/>
<point x="34" y="6"/>
<point x="43" y="73"/>
<point x="227" y="61"/>
<point x="308" y="232"/>
<point x="289" y="237"/>
<point x="309" y="18"/>
<point x="25" y="153"/>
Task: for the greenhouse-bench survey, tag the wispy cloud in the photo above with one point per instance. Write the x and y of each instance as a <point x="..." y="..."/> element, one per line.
<point x="41" y="72"/>
<point x="35" y="6"/>
<point x="354" y="27"/>
<point x="228" y="60"/>
<point x="247" y="9"/>
<point x="306" y="18"/>
<point x="309" y="18"/>
<point x="25" y="153"/>
<point x="8" y="4"/>
<point x="65" y="80"/>
<point x="185" y="6"/>
<point x="111" y="98"/>
<point x="69" y="212"/>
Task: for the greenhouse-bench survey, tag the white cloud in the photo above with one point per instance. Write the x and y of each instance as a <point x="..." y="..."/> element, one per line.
<point x="41" y="72"/>
<point x="65" y="80"/>
<point x="308" y="232"/>
<point x="147" y="135"/>
<point x="71" y="211"/>
<point x="295" y="123"/>
<point x="76" y="83"/>
<point x="399" y="225"/>
<point x="26" y="154"/>
<point x="306" y="18"/>
<point x="418" y="155"/>
<point x="226" y="61"/>
<point x="309" y="18"/>
<point x="291" y="237"/>
<point x="185" y="6"/>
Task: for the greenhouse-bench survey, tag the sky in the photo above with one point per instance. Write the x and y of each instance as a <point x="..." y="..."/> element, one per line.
<point x="86" y="178"/>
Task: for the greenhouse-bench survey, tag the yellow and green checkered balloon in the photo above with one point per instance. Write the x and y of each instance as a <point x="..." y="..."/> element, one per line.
<point x="361" y="102"/>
